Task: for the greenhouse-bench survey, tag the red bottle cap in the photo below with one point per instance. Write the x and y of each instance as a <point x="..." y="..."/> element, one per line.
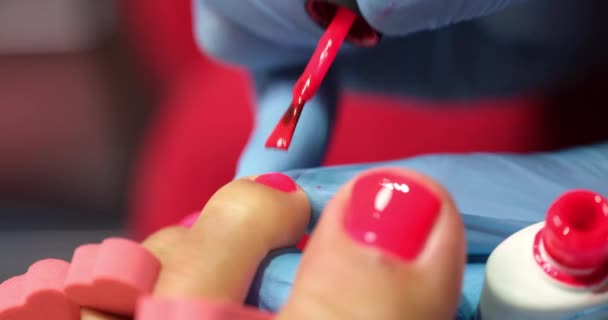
<point x="576" y="230"/>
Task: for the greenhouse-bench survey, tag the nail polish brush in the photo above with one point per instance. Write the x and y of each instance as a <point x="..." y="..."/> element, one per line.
<point x="342" y="22"/>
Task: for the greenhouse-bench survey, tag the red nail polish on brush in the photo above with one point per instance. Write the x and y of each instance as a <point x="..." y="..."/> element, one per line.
<point x="344" y="24"/>
<point x="391" y="212"/>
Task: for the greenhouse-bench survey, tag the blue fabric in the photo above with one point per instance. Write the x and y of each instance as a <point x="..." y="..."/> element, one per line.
<point x="499" y="48"/>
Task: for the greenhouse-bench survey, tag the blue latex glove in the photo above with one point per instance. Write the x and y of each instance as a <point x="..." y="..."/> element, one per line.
<point x="490" y="56"/>
<point x="497" y="194"/>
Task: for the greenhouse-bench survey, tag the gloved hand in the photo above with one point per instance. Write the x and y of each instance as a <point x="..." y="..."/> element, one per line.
<point x="497" y="194"/>
<point x="485" y="57"/>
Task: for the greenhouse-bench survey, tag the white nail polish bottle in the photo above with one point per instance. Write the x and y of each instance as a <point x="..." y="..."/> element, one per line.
<point x="553" y="270"/>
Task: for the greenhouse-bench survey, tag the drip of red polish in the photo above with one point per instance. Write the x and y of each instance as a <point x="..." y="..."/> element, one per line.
<point x="312" y="77"/>
<point x="281" y="136"/>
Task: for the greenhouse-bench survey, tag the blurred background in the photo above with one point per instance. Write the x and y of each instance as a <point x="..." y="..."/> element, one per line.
<point x="109" y="118"/>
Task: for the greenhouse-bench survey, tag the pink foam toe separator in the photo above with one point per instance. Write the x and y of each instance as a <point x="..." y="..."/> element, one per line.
<point x="111" y="276"/>
<point x="152" y="308"/>
<point x="38" y="294"/>
<point x="12" y="297"/>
